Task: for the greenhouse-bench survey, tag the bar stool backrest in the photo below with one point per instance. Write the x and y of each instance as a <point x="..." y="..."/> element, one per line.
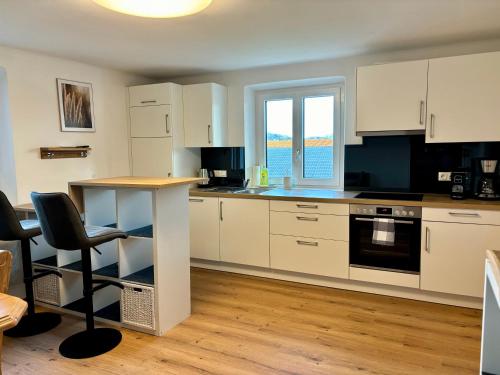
<point x="10" y="229"/>
<point x="60" y="221"/>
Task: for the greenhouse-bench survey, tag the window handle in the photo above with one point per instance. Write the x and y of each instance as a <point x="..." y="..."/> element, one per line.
<point x="297" y="154"/>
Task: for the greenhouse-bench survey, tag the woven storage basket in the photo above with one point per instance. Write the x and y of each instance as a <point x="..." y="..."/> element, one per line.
<point x="47" y="290"/>
<point x="137" y="306"/>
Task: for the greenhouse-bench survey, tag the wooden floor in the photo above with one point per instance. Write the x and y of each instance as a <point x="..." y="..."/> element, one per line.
<point x="246" y="325"/>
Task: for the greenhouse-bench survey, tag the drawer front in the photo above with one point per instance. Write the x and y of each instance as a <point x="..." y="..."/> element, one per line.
<point x="311" y="256"/>
<point x="449" y="215"/>
<point x="330" y="227"/>
<point x="150" y="94"/>
<point x="311" y="207"/>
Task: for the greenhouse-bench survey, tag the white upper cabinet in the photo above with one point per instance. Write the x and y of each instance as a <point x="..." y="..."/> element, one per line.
<point x="391" y="97"/>
<point x="205" y="115"/>
<point x="464" y="98"/>
<point x="155" y="94"/>
<point x="151" y="121"/>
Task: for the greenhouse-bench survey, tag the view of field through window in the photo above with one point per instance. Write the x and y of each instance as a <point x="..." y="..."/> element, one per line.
<point x="318" y="126"/>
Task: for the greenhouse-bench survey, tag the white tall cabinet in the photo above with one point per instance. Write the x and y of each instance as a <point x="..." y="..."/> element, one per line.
<point x="205" y="115"/>
<point x="157" y="132"/>
<point x="464" y="93"/>
<point x="392" y="97"/>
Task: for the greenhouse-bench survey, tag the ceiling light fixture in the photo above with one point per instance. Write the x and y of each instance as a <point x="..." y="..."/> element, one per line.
<point x="155" y="8"/>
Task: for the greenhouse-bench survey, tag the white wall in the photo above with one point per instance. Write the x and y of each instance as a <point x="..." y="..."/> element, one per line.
<point x="32" y="94"/>
<point x="239" y="81"/>
<point x="7" y="162"/>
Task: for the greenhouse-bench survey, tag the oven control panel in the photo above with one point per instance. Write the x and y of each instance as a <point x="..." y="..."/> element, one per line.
<point x="388" y="211"/>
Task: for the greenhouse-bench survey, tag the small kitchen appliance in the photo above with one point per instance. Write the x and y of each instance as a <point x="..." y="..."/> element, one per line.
<point x="203" y="173"/>
<point x="486" y="185"/>
<point x="460" y="184"/>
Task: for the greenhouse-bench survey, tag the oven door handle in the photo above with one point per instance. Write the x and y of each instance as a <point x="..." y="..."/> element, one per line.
<point x="409" y="222"/>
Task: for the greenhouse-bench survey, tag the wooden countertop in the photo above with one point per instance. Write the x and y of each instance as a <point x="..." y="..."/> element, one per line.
<point x="137" y="182"/>
<point x="332" y="196"/>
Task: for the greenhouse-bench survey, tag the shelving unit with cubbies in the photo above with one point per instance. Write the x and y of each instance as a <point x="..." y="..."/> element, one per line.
<point x="152" y="263"/>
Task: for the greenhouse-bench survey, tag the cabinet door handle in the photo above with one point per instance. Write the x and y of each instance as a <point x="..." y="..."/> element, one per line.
<point x="220" y="212"/>
<point x="315" y="206"/>
<point x="422" y="106"/>
<point x="465" y="214"/>
<point x="433" y="119"/>
<point x="307" y="243"/>
<point x="209" y="140"/>
<point x="166" y="124"/>
<point x="303" y="218"/>
<point x="196" y="200"/>
<point x="147" y="101"/>
<point x="427" y="239"/>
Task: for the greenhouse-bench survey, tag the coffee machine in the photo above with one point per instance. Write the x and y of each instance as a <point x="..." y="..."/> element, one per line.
<point x="487" y="188"/>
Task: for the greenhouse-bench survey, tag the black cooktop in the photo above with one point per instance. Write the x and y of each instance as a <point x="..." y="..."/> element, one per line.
<point x="391" y="196"/>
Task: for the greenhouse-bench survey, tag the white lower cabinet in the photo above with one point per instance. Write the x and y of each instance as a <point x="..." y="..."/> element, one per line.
<point x="309" y="255"/>
<point x="244" y="231"/>
<point x="453" y="256"/>
<point x="204" y="227"/>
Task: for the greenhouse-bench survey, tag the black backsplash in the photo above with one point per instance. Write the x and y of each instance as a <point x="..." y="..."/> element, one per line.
<point x="407" y="163"/>
<point x="231" y="159"/>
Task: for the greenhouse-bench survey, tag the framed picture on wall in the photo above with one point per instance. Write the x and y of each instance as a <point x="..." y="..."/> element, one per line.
<point x="76" y="106"/>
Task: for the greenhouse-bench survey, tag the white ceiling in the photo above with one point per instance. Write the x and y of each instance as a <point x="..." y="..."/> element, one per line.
<point x="237" y="34"/>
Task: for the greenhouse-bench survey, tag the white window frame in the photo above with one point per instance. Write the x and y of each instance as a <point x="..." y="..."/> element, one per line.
<point x="297" y="94"/>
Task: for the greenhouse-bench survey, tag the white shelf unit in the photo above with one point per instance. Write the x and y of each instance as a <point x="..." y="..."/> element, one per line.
<point x="133" y="261"/>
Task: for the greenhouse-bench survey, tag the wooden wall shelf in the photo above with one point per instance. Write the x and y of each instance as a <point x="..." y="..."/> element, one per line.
<point x="64" y="152"/>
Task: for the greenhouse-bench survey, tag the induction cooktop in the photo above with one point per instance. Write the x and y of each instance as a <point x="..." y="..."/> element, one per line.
<point x="391" y="196"/>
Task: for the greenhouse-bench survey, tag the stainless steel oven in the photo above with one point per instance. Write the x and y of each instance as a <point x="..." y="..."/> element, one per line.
<point x="403" y="255"/>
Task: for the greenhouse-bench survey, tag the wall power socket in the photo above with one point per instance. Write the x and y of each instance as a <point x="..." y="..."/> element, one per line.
<point x="444" y="176"/>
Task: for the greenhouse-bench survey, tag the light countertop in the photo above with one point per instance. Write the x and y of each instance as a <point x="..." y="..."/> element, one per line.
<point x="137" y="182"/>
<point x="333" y="196"/>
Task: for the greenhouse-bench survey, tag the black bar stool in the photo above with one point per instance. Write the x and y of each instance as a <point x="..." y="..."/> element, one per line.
<point x="63" y="229"/>
<point x="13" y="229"/>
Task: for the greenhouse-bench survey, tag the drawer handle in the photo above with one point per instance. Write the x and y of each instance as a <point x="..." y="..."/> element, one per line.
<point x="303" y="218"/>
<point x="465" y="214"/>
<point x="427" y="239"/>
<point x="307" y="243"/>
<point x="196" y="200"/>
<point x="148" y="101"/>
<point x="315" y="206"/>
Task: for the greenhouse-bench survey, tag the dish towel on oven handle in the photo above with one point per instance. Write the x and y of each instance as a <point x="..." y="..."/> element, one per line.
<point x="383" y="231"/>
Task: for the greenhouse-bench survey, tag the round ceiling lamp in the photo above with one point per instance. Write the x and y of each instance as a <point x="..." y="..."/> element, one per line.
<point x="155" y="8"/>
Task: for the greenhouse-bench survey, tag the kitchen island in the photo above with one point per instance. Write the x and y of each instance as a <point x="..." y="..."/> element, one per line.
<point x="152" y="263"/>
<point x="490" y="362"/>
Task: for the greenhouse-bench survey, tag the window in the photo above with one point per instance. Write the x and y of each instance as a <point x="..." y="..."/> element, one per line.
<point x="301" y="135"/>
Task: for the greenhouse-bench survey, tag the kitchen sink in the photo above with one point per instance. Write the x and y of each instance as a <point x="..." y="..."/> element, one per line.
<point x="257" y="191"/>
